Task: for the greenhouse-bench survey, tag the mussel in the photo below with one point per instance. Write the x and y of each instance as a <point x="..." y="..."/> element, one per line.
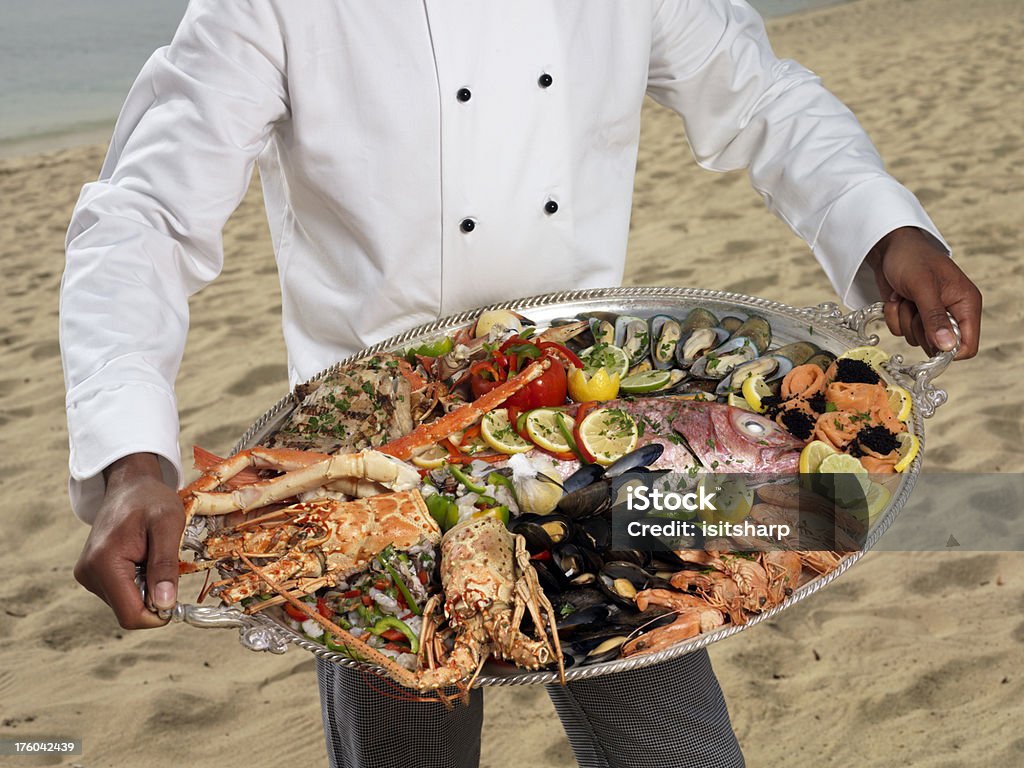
<point x="633" y="335"/>
<point x="666" y="332"/>
<point x="621" y="580"/>
<point x="720" y="362"/>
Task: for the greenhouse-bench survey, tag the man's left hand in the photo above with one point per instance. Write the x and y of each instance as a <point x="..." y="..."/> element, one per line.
<point x="920" y="284"/>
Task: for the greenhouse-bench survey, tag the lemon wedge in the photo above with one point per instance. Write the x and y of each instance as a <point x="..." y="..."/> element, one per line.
<point x="497" y="432"/>
<point x="910" y="446"/>
<point x="613" y="359"/>
<point x="738" y="401"/>
<point x="608" y="434"/>
<point x="755" y="389"/>
<point x="900" y="402"/>
<point x="733" y="498"/>
<point x="599" y="386"/>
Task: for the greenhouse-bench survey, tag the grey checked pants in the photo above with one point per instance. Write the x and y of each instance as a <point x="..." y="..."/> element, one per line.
<point x="671" y="715"/>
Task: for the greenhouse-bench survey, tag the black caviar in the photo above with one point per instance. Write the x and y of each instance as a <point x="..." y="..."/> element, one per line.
<point x="878" y="440"/>
<point x="818" y="403"/>
<point x="851" y="371"/>
<point x="798" y="423"/>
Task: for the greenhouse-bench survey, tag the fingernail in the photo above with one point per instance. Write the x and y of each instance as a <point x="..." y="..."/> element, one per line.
<point x="163" y="595"/>
<point x="945" y="339"/>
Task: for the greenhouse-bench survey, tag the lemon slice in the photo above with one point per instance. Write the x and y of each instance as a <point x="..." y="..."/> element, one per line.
<point x="497" y="432"/>
<point x="813" y="454"/>
<point x="432" y="458"/>
<point x="755" y="388"/>
<point x="736" y="401"/>
<point x="542" y="427"/>
<point x="841" y="463"/>
<point x="613" y="359"/>
<point x="648" y="381"/>
<point x="733" y="500"/>
<point x="873" y="356"/>
<point x="900" y="402"/>
<point x="608" y="434"/>
<point x="910" y="446"/>
<point x="877" y="500"/>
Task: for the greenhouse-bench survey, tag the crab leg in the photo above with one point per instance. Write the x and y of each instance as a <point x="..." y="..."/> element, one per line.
<point x="370" y="465"/>
<point x="283" y="459"/>
<point x="428" y="434"/>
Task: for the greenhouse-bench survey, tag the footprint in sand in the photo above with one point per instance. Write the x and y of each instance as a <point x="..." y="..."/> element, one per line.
<point x="113" y="665"/>
<point x="958" y="573"/>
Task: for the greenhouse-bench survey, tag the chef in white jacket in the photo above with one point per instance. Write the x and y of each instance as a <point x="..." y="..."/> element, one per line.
<point x="419" y="158"/>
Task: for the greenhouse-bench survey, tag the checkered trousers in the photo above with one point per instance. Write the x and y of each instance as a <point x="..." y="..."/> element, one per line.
<point x="671" y="715"/>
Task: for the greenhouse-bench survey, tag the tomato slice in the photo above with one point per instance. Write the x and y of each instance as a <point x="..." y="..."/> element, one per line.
<point x="295" y="613"/>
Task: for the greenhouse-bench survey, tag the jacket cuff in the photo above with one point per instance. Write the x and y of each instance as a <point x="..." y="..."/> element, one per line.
<point x="108" y="424"/>
<point x="852" y="226"/>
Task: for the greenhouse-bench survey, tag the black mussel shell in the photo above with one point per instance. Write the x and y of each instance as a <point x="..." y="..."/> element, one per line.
<point x="542" y="532"/>
<point x="593" y="499"/>
<point x="641" y="457"/>
<point x="589" y="619"/>
<point x="621" y="580"/>
<point x="551" y="579"/>
<point x="577" y="599"/>
<point x="586" y="648"/>
<point x="635" y="556"/>
<point x="593" y="533"/>
<point x="569" y="560"/>
<point x="582" y="477"/>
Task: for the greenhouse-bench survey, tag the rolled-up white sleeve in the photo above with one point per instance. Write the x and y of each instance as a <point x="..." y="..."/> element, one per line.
<point x="806" y="153"/>
<point x="147" y="234"/>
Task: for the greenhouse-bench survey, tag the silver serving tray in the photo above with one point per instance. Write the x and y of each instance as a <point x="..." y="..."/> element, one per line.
<point x="825" y="325"/>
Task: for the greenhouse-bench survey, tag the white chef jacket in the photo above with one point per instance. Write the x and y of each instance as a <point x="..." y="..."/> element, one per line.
<point x="418" y="158"/>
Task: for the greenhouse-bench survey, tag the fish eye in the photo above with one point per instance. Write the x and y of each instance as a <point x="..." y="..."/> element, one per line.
<point x="754" y="426"/>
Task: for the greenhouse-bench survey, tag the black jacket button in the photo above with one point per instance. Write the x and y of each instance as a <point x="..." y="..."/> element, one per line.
<point x="551" y="206"/>
<point x="545" y="80"/>
<point x="463" y="94"/>
<point x="467" y="225"/>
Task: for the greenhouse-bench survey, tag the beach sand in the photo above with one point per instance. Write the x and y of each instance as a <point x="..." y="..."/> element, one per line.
<point x="910" y="659"/>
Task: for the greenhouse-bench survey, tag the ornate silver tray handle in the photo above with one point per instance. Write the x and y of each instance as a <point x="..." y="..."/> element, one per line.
<point x="832" y="330"/>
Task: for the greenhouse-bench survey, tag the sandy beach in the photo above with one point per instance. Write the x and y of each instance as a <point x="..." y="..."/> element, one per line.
<point x="909" y="659"/>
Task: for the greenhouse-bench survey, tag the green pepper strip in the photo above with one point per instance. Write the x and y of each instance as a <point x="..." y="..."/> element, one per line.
<point x="409" y="601"/>
<point x="390" y="622"/>
<point x="438" y="505"/>
<point x="496" y="478"/>
<point x="465" y="479"/>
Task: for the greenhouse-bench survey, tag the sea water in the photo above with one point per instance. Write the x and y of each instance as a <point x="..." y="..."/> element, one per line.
<point x="66" y="65"/>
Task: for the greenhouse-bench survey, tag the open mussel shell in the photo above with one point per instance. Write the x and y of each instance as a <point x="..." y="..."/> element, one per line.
<point x="771" y="367"/>
<point x="822" y="359"/>
<point x="666" y="331"/>
<point x="798" y="353"/>
<point x="542" y="532"/>
<point x="719" y="362"/>
<point x="593" y="534"/>
<point x="590" y="618"/>
<point x="634" y="336"/>
<point x="696" y="343"/>
<point x="621" y="580"/>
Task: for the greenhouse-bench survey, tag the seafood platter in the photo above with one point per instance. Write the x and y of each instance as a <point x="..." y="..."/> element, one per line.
<point x="438" y="508"/>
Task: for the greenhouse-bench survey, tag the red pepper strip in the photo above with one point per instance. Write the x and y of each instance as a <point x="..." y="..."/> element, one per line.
<point x="422" y="576"/>
<point x="295" y="613"/>
<point x="542" y="555"/>
<point x="324" y="609"/>
<point x="457" y="457"/>
<point x="395" y="646"/>
<point x="581" y="412"/>
<point x="470" y="433"/>
<point x="393" y="635"/>
<point x="563" y="350"/>
<point x="351" y="593"/>
<point x="514" y="340"/>
<point x="484" y="366"/>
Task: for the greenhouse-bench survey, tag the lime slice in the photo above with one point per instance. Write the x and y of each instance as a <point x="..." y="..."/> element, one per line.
<point x="873" y="356"/>
<point x="737" y="401"/>
<point x="433" y="348"/>
<point x="900" y="402"/>
<point x="813" y="454"/>
<point x="608" y="434"/>
<point x="497" y="432"/>
<point x="613" y="359"/>
<point x="648" y="381"/>
<point x="431" y="458"/>
<point x="910" y="446"/>
<point x="755" y="389"/>
<point x="542" y="427"/>
<point x="851" y="487"/>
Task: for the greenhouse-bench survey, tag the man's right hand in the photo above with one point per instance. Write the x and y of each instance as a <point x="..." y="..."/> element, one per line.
<point x="139" y="523"/>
